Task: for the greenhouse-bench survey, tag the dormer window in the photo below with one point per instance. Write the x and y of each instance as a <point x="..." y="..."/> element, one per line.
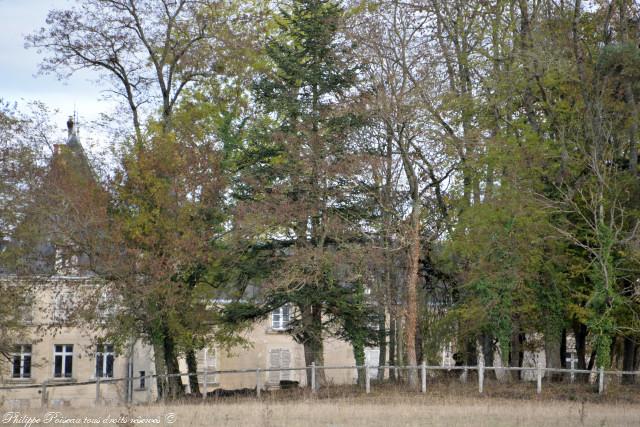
<point x="62" y="306"/>
<point x="66" y="263"/>
<point x="280" y="318"/>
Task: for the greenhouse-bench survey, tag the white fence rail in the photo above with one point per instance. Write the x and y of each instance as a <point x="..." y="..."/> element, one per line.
<point x="422" y="369"/>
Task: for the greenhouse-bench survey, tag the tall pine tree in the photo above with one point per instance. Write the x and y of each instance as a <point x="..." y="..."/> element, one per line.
<point x="308" y="173"/>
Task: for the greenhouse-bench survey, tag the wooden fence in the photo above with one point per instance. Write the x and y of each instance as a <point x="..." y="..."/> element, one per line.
<point x="422" y="369"/>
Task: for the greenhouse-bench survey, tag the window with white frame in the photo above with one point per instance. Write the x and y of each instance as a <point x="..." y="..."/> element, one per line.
<point x="21" y="360"/>
<point x="208" y="361"/>
<point x="280" y="318"/>
<point x="209" y="358"/>
<point x="62" y="360"/>
<point x="104" y="360"/>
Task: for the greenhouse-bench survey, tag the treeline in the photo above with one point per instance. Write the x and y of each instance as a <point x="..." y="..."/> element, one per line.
<point x="408" y="175"/>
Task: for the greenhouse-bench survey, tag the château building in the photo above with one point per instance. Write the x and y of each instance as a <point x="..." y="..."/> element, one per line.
<point x="64" y="355"/>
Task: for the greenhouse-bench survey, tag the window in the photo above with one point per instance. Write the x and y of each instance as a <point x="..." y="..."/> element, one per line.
<point x="67" y="262"/>
<point x="104" y="361"/>
<point x="106" y="308"/>
<point x="279" y="358"/>
<point x="22" y="361"/>
<point x="25" y="314"/>
<point x="143" y="380"/>
<point x="62" y="306"/>
<point x="208" y="362"/>
<point x="62" y="360"/>
<point x="280" y="318"/>
<point x="209" y="358"/>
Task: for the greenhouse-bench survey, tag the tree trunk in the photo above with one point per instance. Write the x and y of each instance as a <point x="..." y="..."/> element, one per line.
<point x="400" y="344"/>
<point x="382" y="344"/>
<point x="487" y="351"/>
<point x="580" y="333"/>
<point x="471" y="354"/>
<point x="412" y="294"/>
<point x="392" y="348"/>
<point x="514" y="354"/>
<point x="313" y="345"/>
<point x="389" y="288"/>
<point x="636" y="361"/>
<point x="592" y="361"/>
<point x="175" y="389"/>
<point x="563" y="354"/>
<point x="552" y="354"/>
<point x="522" y="337"/>
<point x="420" y="346"/>
<point x="192" y="367"/>
<point x="563" y="349"/>
<point x="628" y="356"/>
<point x="358" y="355"/>
<point x="161" y="380"/>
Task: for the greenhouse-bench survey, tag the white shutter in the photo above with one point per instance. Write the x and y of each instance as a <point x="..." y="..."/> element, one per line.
<point x="274" y="363"/>
<point x="285" y="362"/>
<point x="207" y="361"/>
<point x="372" y="358"/>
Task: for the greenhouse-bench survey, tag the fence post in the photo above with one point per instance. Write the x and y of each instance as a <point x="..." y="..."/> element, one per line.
<point x="573" y="368"/>
<point x="538" y="379"/>
<point x="97" y="391"/>
<point x="601" y="380"/>
<point x="147" y="383"/>
<point x="423" y="375"/>
<point x="465" y="374"/>
<point x="480" y="375"/>
<point x="43" y="398"/>
<point x="204" y="384"/>
<point x="313" y="377"/>
<point x="367" y="380"/>
<point x="258" y="385"/>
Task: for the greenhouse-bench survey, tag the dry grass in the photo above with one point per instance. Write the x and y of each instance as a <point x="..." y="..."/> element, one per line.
<point x="447" y="403"/>
<point x="377" y="410"/>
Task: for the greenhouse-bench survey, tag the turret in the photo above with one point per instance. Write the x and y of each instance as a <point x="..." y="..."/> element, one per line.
<point x="72" y="134"/>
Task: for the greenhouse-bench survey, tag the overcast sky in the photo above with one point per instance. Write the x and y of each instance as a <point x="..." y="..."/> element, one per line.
<point x="19" y="81"/>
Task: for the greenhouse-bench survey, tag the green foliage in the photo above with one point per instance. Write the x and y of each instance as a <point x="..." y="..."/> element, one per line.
<point x="620" y="60"/>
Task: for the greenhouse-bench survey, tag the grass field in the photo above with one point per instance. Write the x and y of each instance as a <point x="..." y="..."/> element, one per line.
<point x="359" y="411"/>
<point x="412" y="412"/>
<point x="445" y="404"/>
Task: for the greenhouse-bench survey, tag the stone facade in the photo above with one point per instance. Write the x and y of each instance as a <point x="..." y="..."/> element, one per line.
<point x="56" y="353"/>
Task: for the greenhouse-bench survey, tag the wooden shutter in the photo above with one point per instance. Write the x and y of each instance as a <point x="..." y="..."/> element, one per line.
<point x="274" y="362"/>
<point x="372" y="358"/>
<point x="285" y="362"/>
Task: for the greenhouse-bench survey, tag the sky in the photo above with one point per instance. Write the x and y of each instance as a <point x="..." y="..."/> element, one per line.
<point x="19" y="79"/>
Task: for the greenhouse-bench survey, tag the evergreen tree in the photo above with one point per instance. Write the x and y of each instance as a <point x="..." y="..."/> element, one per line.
<point x="304" y="194"/>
